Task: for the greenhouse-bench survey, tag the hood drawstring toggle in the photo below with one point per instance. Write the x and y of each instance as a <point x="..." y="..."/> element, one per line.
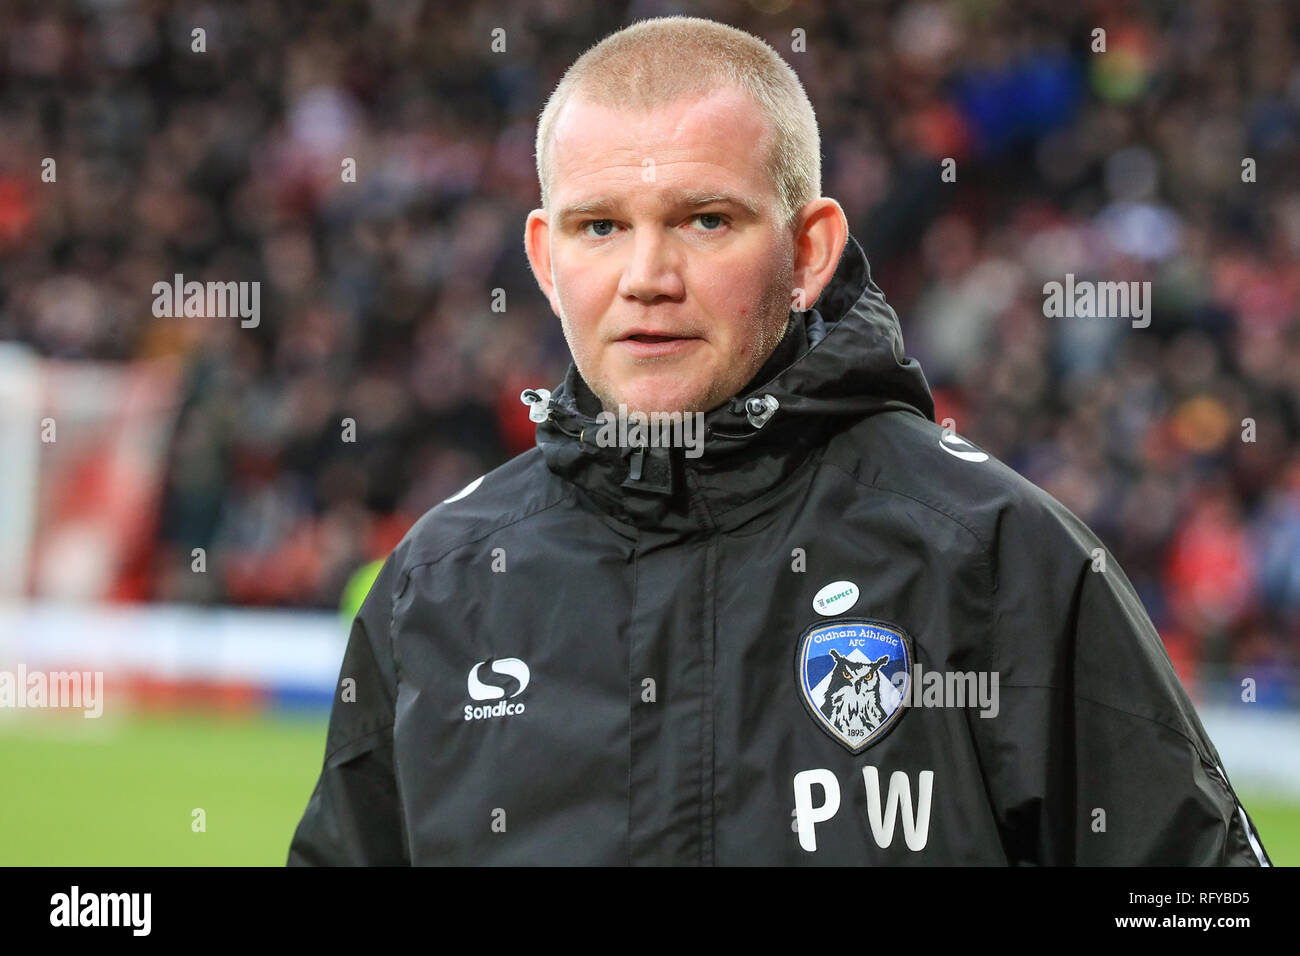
<point x="538" y="401"/>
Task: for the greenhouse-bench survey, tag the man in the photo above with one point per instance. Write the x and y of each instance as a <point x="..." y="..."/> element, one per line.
<point x="727" y="653"/>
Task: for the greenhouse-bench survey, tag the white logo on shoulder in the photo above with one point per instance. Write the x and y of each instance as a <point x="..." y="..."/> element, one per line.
<point x="509" y="678"/>
<point x="959" y="447"/>
<point x="836" y="598"/>
<point x="466" y="491"/>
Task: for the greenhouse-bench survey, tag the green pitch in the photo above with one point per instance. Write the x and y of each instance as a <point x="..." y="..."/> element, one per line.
<point x="98" y="793"/>
<point x="93" y="793"/>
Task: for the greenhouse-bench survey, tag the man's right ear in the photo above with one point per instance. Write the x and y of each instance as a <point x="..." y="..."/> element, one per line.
<point x="537" y="246"/>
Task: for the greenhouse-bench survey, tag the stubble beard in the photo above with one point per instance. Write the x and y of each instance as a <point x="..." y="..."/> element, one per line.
<point x="774" y="311"/>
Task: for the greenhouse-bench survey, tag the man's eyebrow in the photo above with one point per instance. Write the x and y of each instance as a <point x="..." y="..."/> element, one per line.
<point x="683" y="200"/>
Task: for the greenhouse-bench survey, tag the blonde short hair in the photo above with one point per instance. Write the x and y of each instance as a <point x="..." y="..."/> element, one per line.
<point x="665" y="59"/>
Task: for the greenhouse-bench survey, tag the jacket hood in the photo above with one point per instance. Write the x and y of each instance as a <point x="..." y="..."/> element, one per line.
<point x="851" y="364"/>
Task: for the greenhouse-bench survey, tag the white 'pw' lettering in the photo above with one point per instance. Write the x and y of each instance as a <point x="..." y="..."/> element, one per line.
<point x="916" y="826"/>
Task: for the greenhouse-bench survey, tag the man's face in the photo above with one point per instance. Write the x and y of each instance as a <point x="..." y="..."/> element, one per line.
<point x="667" y="303"/>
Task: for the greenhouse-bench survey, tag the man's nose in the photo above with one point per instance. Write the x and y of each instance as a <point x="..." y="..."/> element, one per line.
<point x="653" y="270"/>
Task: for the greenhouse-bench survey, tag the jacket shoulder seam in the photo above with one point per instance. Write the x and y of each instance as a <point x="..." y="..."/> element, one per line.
<point x="357" y="739"/>
<point x="1119" y="710"/>
<point x="984" y="546"/>
<point x="406" y="570"/>
<point x="1159" y="723"/>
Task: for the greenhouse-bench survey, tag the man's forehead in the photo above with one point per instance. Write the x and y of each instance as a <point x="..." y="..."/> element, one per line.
<point x="694" y="116"/>
<point x="602" y="154"/>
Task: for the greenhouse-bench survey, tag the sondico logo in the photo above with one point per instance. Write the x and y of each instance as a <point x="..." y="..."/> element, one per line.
<point x="499" y="679"/>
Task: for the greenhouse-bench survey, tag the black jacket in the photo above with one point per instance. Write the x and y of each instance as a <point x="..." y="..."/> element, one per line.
<point x="603" y="656"/>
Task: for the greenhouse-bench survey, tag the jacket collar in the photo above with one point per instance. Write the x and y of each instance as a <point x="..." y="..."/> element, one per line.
<point x="838" y="363"/>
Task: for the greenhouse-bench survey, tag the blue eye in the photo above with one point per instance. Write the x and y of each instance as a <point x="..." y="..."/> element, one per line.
<point x="706" y="218"/>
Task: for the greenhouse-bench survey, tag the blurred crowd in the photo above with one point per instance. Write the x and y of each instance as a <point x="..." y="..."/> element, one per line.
<point x="1169" y="157"/>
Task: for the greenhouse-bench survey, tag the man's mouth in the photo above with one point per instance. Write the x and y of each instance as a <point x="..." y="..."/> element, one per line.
<point x="647" y="345"/>
<point x="653" y="338"/>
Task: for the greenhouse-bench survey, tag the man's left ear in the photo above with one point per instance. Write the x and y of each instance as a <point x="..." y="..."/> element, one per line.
<point x="820" y="235"/>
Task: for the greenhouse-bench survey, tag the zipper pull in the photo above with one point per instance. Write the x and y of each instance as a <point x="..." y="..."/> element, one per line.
<point x="635" y="464"/>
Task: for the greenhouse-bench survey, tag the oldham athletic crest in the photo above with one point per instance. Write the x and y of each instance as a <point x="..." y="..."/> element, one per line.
<point x="853" y="679"/>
